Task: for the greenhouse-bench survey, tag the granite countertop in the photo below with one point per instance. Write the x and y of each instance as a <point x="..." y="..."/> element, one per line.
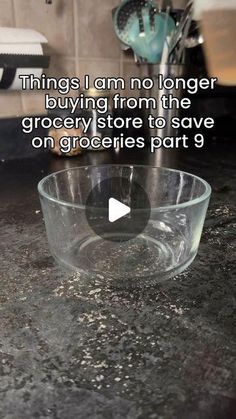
<point x="72" y="347"/>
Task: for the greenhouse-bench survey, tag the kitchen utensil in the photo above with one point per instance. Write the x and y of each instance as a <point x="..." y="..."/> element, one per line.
<point x="166" y="246"/>
<point x="125" y="14"/>
<point x="181" y="32"/>
<point x="152" y="13"/>
<point x="124" y="47"/>
<point x="193" y="41"/>
<point x="150" y="45"/>
<point x="184" y="36"/>
<point x="194" y="37"/>
<point x="165" y="50"/>
<point x="139" y="25"/>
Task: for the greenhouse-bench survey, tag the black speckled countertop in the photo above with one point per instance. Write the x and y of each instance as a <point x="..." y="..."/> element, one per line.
<point x="72" y="347"/>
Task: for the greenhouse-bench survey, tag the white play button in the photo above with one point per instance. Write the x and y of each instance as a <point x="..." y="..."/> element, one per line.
<point x="117" y="210"/>
<point x="107" y="214"/>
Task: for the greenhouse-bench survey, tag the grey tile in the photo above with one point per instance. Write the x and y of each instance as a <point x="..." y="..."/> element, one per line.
<point x="7" y="15"/>
<point x="10" y="104"/>
<point x="130" y="69"/>
<point x="33" y="103"/>
<point x="55" y="21"/>
<point x="96" y="37"/>
<point x="61" y="66"/>
<point x="96" y="68"/>
<point x="179" y="4"/>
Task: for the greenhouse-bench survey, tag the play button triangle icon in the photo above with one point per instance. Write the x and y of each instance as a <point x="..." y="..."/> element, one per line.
<point x="117" y="210"/>
<point x="107" y="214"/>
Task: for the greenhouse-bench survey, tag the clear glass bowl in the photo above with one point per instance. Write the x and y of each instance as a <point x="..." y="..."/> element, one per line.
<point x="166" y="246"/>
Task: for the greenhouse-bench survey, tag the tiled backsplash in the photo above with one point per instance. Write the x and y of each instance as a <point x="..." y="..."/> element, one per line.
<point x="81" y="41"/>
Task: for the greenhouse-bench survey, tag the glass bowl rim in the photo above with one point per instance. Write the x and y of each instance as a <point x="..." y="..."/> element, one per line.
<point x="206" y="194"/>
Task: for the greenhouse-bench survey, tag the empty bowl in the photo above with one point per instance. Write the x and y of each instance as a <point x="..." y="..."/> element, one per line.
<point x="176" y="204"/>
